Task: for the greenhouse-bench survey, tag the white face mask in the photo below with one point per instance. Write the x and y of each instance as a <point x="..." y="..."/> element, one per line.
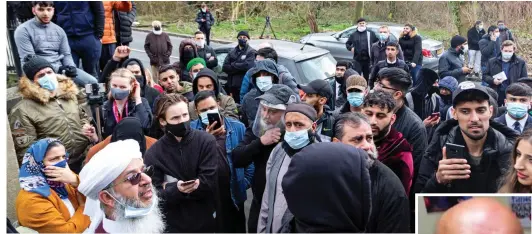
<point x="361" y="29"/>
<point x="264" y="83"/>
<point x="204" y="10"/>
<point x="157" y="32"/>
<point x="200" y="43"/>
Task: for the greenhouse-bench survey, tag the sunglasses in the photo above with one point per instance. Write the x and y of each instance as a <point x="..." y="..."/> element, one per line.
<point x="134" y="179"/>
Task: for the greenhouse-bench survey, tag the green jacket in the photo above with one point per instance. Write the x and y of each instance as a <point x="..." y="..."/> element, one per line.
<point x="38" y="116"/>
<point x="227" y="104"/>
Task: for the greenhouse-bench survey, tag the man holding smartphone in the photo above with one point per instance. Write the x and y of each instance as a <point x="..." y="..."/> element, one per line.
<point x="232" y="182"/>
<point x="470" y="153"/>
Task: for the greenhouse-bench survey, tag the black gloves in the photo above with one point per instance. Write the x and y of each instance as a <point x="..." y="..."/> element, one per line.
<point x="69" y="71"/>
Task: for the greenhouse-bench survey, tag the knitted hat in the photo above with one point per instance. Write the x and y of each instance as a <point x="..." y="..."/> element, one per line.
<point x="243" y="33"/>
<point x="457" y="40"/>
<point x="33" y="64"/>
<point x="449" y="83"/>
<point x="194" y="62"/>
<point x="303" y="108"/>
<point x="357" y="82"/>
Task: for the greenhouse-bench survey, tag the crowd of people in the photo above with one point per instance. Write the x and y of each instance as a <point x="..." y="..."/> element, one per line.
<point x="340" y="155"/>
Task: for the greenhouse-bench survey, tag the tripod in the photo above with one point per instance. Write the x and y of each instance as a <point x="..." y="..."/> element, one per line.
<point x="267" y="24"/>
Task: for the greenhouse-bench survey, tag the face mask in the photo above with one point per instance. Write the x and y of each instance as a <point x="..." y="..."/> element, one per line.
<point x="355" y="99"/>
<point x="517" y="110"/>
<point x="361" y="29"/>
<point x="178" y="130"/>
<point x="480" y="27"/>
<point x="264" y="83"/>
<point x="204" y="10"/>
<point x="188" y="54"/>
<point x="119" y="94"/>
<point x="200" y="43"/>
<point x="463" y="49"/>
<point x="48" y="82"/>
<point x="502" y="27"/>
<point x="497" y="35"/>
<point x="507" y="55"/>
<point x="242" y="42"/>
<point x="159" y="32"/>
<point x="194" y="75"/>
<point x="140" y="79"/>
<point x="383" y="36"/>
<point x="134" y="212"/>
<point x="204" y="118"/>
<point x="298" y="139"/>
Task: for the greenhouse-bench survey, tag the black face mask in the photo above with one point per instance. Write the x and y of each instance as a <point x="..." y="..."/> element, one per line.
<point x="188" y="54"/>
<point x="178" y="130"/>
<point x="140" y="79"/>
<point x="461" y="51"/>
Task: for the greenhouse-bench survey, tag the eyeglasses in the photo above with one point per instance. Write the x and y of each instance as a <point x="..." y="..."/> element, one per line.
<point x="379" y="83"/>
<point x="134" y="179"/>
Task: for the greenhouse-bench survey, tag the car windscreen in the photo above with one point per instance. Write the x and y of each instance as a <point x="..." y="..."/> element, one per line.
<point x="321" y="67"/>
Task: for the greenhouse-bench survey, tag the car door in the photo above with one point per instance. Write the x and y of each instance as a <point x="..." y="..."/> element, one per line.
<point x="339" y="51"/>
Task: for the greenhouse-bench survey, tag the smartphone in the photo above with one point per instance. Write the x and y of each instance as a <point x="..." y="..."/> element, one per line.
<point x="435" y="115"/>
<point x="188" y="182"/>
<point x="455" y="151"/>
<point x="95" y="88"/>
<point x="214" y="117"/>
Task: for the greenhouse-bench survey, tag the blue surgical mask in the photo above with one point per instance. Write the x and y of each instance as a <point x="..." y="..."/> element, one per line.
<point x="134" y="212"/>
<point x="264" y="83"/>
<point x="204" y="118"/>
<point x="194" y="75"/>
<point x="383" y="36"/>
<point x="516" y="109"/>
<point x="507" y="55"/>
<point x="355" y="99"/>
<point x="298" y="139"/>
<point x="48" y="82"/>
<point x="119" y="94"/>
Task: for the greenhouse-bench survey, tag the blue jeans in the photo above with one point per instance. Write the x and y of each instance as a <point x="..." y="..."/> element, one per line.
<point x="84" y="78"/>
<point x="413" y="73"/>
<point x="88" y="49"/>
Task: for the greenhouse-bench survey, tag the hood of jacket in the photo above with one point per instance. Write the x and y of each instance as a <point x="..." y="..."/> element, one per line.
<point x="66" y="90"/>
<point x="267" y="66"/>
<point x="391" y="147"/>
<point x="412" y="34"/>
<point x="428" y="77"/>
<point x="208" y="73"/>
<point x="182" y="45"/>
<point x="349" y="72"/>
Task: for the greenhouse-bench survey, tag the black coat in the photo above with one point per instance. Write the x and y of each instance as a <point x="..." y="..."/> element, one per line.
<point x="517" y="70"/>
<point x="412" y="49"/>
<point x="451" y="64"/>
<point x="206" y="52"/>
<point x="142" y="112"/>
<point x="359" y="41"/>
<point x="485" y="177"/>
<point x="378" y="52"/>
<point x="237" y="63"/>
<point x="488" y="49"/>
<point x="209" y="20"/>
<point x="384" y="64"/>
<point x="123" y="22"/>
<point x="473" y="37"/>
<point x="389" y="209"/>
<point x="195" y="157"/>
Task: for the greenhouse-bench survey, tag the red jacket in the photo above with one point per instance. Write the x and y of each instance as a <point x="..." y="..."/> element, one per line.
<point x="396" y="153"/>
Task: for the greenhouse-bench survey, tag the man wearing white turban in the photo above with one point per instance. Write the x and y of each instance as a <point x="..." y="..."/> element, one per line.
<point x="120" y="198"/>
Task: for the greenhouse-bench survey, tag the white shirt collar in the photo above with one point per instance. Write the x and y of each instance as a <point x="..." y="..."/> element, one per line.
<point x="390" y="62"/>
<point x="510" y="122"/>
<point x="111" y="226"/>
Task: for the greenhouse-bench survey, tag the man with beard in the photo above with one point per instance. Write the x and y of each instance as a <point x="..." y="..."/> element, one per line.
<point x="485" y="144"/>
<point x="447" y="86"/>
<point x="259" y="141"/>
<point x="120" y="197"/>
<point x="171" y="83"/>
<point x="389" y="201"/>
<point x="393" y="150"/>
<point x="239" y="60"/>
<point x="185" y="163"/>
<point x="451" y="63"/>
<point x="300" y="132"/>
<point x="359" y="43"/>
<point x="317" y="93"/>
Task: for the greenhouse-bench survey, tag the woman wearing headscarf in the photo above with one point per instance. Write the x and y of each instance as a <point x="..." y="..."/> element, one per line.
<point x="328" y="189"/>
<point x="49" y="201"/>
<point x="128" y="128"/>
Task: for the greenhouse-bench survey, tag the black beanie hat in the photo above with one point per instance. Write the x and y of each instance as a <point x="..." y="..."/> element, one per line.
<point x="243" y="33"/>
<point x="33" y="64"/>
<point x="457" y="40"/>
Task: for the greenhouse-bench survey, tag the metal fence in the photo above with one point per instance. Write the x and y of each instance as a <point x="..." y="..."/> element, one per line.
<point x="13" y="60"/>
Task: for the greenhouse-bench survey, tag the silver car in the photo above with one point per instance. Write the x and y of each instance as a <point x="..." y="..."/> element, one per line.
<point x="335" y="43"/>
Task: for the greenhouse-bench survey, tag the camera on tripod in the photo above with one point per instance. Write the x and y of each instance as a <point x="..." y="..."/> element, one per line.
<point x="95" y="93"/>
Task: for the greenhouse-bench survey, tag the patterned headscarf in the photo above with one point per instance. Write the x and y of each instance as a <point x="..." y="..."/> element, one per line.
<point x="31" y="175"/>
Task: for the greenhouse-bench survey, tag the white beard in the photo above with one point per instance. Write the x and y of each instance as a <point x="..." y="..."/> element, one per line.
<point x="372" y="156"/>
<point x="151" y="223"/>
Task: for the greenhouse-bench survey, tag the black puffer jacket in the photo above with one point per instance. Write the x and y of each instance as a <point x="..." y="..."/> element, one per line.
<point x="473" y="37"/>
<point x="412" y="46"/>
<point x="123" y="22"/>
<point x="485" y="177"/>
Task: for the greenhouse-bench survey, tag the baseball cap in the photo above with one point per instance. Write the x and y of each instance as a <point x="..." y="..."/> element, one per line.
<point x="466" y="87"/>
<point x="319" y="86"/>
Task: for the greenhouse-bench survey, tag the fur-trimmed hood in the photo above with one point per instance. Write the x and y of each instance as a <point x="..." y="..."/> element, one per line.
<point x="67" y="90"/>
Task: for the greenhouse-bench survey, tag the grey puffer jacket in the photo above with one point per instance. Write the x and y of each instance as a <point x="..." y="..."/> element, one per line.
<point x="451" y="64"/>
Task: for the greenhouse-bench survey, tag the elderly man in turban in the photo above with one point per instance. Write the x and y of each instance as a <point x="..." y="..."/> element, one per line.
<point x="120" y="197"/>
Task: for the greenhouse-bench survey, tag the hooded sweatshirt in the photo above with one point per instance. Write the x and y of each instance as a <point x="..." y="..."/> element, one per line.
<point x="227" y="104"/>
<point x="249" y="104"/>
<point x="422" y="99"/>
<point x="341" y="92"/>
<point x="396" y="153"/>
<point x="329" y="194"/>
<point x="182" y="64"/>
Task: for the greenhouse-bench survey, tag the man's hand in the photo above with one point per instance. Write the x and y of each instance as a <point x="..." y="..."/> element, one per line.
<point x="431" y="122"/>
<point x="81" y="199"/>
<point x="62" y="175"/>
<point x="69" y="71"/>
<point x="211" y="58"/>
<point x="466" y="70"/>
<point x="353" y="50"/>
<point x="202" y="20"/>
<point x="413" y="65"/>
<point x="121" y="52"/>
<point x="452" y="169"/>
<point x="216" y="132"/>
<point x="90" y="132"/>
<point x="187" y="188"/>
<point x="271" y="136"/>
<point x="497" y="81"/>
